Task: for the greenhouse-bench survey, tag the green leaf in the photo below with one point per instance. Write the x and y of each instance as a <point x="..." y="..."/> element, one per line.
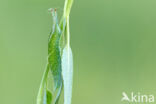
<point x="40" y="97"/>
<point x="49" y="97"/>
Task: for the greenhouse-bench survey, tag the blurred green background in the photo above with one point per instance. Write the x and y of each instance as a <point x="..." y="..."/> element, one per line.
<point x="113" y="42"/>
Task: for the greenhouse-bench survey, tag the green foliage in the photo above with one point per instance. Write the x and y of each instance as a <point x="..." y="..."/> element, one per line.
<point x="60" y="62"/>
<point x="42" y="91"/>
<point x="48" y="97"/>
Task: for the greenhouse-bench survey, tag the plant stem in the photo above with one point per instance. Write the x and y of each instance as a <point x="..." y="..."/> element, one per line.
<point x="67" y="9"/>
<point x="42" y="86"/>
<point x="68" y="33"/>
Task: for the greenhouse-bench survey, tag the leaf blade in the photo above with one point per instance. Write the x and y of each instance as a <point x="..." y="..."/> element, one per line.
<point x="40" y="96"/>
<point x="49" y="97"/>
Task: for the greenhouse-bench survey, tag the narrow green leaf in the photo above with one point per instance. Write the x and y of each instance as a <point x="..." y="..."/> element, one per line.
<point x="49" y="97"/>
<point x="40" y="97"/>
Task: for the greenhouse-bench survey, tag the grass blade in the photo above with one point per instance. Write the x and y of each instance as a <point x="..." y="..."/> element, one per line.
<point x="48" y="97"/>
<point x="40" y="97"/>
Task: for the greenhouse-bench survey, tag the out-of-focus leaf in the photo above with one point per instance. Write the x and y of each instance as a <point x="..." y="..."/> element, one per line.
<point x="49" y="97"/>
